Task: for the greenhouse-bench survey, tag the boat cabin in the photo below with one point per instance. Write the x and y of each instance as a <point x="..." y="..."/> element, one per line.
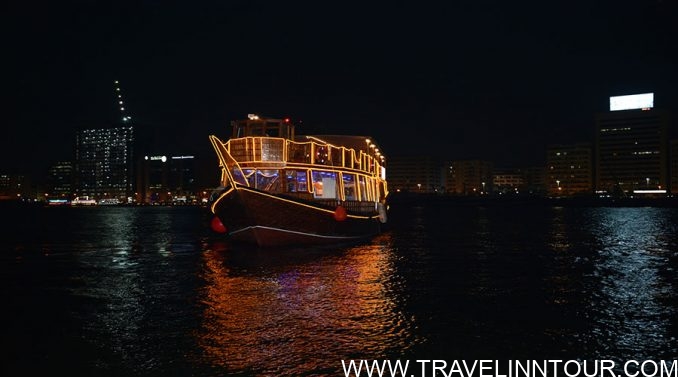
<point x="265" y="154"/>
<point x="256" y="126"/>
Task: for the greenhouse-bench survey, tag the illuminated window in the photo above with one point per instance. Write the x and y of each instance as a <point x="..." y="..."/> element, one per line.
<point x="296" y="181"/>
<point x="350" y="192"/>
<point x="325" y="184"/>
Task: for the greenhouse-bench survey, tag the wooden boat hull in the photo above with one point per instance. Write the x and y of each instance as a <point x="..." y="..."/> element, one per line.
<point x="253" y="216"/>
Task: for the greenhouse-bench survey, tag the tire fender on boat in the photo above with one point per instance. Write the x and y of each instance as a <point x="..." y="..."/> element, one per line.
<point x="340" y="213"/>
<point x="217" y="226"/>
<point x="381" y="209"/>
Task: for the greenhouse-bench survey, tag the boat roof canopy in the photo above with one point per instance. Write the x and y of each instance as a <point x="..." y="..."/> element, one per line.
<point x="258" y="126"/>
<point x="255" y="125"/>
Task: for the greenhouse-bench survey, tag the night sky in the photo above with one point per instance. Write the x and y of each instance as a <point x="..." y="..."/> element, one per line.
<point x="495" y="80"/>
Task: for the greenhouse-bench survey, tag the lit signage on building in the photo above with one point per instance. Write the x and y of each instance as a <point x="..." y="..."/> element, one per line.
<point x="181" y="157"/>
<point x="634" y="101"/>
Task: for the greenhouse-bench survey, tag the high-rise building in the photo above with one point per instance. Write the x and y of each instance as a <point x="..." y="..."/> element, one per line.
<point x="632" y="147"/>
<point x="104" y="165"/>
<point x="569" y="169"/>
<point x="168" y="179"/>
<point x="60" y="180"/>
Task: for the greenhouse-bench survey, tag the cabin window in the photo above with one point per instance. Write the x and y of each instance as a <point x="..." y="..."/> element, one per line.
<point x="362" y="187"/>
<point x="257" y="130"/>
<point x="324" y="184"/>
<point x="350" y="192"/>
<point x="272" y="129"/>
<point x="295" y="181"/>
<point x="299" y="152"/>
<point x="272" y="149"/>
<point x="250" y="176"/>
<point x="336" y="156"/>
<point x="267" y="180"/>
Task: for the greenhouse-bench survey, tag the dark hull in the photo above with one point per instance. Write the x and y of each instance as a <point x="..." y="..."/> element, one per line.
<point x="267" y="220"/>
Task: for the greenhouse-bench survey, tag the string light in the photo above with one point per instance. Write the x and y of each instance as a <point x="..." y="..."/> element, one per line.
<point x="125" y="118"/>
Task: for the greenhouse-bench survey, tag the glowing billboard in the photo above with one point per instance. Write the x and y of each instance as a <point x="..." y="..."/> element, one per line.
<point x="634" y="101"/>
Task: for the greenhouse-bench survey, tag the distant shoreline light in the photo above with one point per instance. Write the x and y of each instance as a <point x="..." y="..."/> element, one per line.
<point x="643" y="101"/>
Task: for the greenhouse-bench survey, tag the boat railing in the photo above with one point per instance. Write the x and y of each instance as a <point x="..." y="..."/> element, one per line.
<point x="280" y="150"/>
<point x="350" y="205"/>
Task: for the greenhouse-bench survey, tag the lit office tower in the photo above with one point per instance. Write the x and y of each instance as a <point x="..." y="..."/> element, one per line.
<point x="569" y="169"/>
<point x="104" y="167"/>
<point x="632" y="147"/>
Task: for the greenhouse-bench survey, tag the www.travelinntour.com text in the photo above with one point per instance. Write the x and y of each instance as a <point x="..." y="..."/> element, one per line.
<point x="509" y="368"/>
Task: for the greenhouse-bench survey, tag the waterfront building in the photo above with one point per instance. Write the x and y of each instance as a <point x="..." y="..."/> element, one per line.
<point x="534" y="180"/>
<point x="60" y="180"/>
<point x="15" y="187"/>
<point x="415" y="174"/>
<point x="104" y="165"/>
<point x="632" y="147"/>
<point x="569" y="169"/>
<point x="168" y="179"/>
<point x="469" y="177"/>
<point x="505" y="181"/>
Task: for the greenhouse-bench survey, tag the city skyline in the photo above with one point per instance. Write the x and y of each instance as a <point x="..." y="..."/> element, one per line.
<point x="481" y="81"/>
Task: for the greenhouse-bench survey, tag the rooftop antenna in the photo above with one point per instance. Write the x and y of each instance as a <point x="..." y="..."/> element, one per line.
<point x="125" y="118"/>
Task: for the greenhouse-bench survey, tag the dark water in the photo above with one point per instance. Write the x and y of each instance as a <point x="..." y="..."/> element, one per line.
<point x="148" y="291"/>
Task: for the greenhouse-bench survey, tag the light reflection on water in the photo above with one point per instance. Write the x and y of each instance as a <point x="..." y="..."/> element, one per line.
<point x="305" y="317"/>
<point x="613" y="278"/>
<point x="629" y="307"/>
<point x="147" y="291"/>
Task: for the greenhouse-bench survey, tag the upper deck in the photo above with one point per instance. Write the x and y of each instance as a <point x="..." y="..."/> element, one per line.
<point x="266" y="142"/>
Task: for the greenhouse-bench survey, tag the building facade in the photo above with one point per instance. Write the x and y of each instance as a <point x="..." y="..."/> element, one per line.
<point x="505" y="181"/>
<point x="104" y="165"/>
<point x="469" y="177"/>
<point x="414" y="174"/>
<point x="632" y="149"/>
<point x="164" y="179"/>
<point x="569" y="169"/>
<point x="60" y="180"/>
<point x="16" y="187"/>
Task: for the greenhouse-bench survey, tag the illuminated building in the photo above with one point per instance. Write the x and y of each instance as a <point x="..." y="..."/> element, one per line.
<point x="167" y="179"/>
<point x="103" y="163"/>
<point x="632" y="147"/>
<point x="60" y="180"/>
<point x="415" y="174"/>
<point x="569" y="169"/>
<point x="507" y="181"/>
<point x="470" y="177"/>
<point x="534" y="179"/>
<point x="15" y="187"/>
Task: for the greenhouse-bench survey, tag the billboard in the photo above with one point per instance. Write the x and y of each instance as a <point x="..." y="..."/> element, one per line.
<point x="634" y="101"/>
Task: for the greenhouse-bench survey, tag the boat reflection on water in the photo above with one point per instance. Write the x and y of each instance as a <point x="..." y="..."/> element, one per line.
<point x="294" y="312"/>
